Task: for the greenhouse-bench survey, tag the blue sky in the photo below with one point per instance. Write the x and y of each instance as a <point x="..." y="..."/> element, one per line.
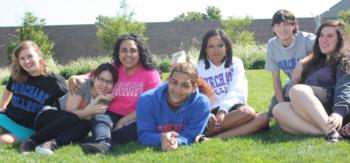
<point x="62" y="12"/>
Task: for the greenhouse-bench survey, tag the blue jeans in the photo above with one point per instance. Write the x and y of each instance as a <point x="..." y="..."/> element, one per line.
<point x="103" y="132"/>
<point x="275" y="102"/>
<point x="102" y="125"/>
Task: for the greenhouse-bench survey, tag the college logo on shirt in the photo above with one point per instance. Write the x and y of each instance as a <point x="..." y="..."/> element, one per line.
<point x="219" y="82"/>
<point x="28" y="97"/>
<point x="128" y="89"/>
<point x="171" y="127"/>
<point x="288" y="64"/>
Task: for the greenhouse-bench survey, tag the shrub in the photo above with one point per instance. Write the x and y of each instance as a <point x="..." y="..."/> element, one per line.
<point x="81" y="66"/>
<point x="4" y="75"/>
<point x="253" y="56"/>
<point x="163" y="62"/>
<point x="164" y="66"/>
<point x="236" y="30"/>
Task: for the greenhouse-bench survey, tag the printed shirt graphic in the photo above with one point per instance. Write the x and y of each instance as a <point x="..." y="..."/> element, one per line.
<point x="29" y="98"/>
<point x="285" y="58"/>
<point x="171" y="127"/>
<point x="128" y="89"/>
<point x="230" y="84"/>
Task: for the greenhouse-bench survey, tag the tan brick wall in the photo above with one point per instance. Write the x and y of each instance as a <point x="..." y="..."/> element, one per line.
<point x="74" y="41"/>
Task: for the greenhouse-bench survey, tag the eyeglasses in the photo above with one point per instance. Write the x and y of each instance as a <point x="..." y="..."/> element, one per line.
<point x="101" y="80"/>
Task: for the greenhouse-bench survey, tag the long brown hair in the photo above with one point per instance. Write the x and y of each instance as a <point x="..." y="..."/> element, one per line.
<point x="17" y="72"/>
<point x="318" y="58"/>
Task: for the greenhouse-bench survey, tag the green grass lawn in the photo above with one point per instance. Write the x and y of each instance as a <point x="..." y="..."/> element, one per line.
<point x="267" y="146"/>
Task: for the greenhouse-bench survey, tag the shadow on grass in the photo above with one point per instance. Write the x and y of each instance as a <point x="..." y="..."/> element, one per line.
<point x="127" y="148"/>
<point x="275" y="135"/>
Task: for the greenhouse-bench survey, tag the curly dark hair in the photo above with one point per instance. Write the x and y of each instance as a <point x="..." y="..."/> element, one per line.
<point x="228" y="44"/>
<point x="144" y="54"/>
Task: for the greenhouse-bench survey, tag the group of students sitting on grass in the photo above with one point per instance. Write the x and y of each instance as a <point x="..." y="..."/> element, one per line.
<point x="126" y="100"/>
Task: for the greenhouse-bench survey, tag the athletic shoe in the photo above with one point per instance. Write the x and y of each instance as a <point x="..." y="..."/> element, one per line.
<point x="333" y="137"/>
<point x="27" y="146"/>
<point x="93" y="148"/>
<point x="201" y="138"/>
<point x="47" y="148"/>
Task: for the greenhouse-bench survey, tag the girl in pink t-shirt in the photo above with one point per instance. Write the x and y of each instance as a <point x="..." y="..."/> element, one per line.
<point x="137" y="74"/>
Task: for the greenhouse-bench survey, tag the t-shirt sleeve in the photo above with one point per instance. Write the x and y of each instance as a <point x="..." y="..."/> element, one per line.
<point x="271" y="64"/>
<point x="61" y="84"/>
<point x="9" y="84"/>
<point x="152" y="80"/>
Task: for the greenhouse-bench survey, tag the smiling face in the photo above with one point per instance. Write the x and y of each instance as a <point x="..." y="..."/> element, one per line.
<point x="103" y="83"/>
<point x="284" y="31"/>
<point x="216" y="50"/>
<point x="180" y="88"/>
<point x="29" y="60"/>
<point x="129" y="56"/>
<point x="328" y="40"/>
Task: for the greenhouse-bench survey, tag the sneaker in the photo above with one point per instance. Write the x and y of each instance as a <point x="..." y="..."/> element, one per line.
<point x="27" y="146"/>
<point x="201" y="138"/>
<point x="333" y="137"/>
<point x="93" y="148"/>
<point x="47" y="148"/>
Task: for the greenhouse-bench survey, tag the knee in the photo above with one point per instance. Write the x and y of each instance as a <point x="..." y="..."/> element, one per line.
<point x="279" y="109"/>
<point x="263" y="118"/>
<point x="7" y="139"/>
<point x="247" y="111"/>
<point x="276" y="110"/>
<point x="299" y="90"/>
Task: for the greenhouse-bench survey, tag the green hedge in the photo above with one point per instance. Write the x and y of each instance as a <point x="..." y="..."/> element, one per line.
<point x="253" y="57"/>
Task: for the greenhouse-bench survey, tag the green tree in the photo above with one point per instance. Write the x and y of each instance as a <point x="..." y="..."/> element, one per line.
<point x="236" y="30"/>
<point x="345" y="16"/>
<point x="213" y="13"/>
<point x="31" y="28"/>
<point x="190" y="16"/>
<point x="110" y="28"/>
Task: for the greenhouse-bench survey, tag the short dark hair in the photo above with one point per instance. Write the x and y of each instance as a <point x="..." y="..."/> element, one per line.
<point x="106" y="67"/>
<point x="284" y="16"/>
